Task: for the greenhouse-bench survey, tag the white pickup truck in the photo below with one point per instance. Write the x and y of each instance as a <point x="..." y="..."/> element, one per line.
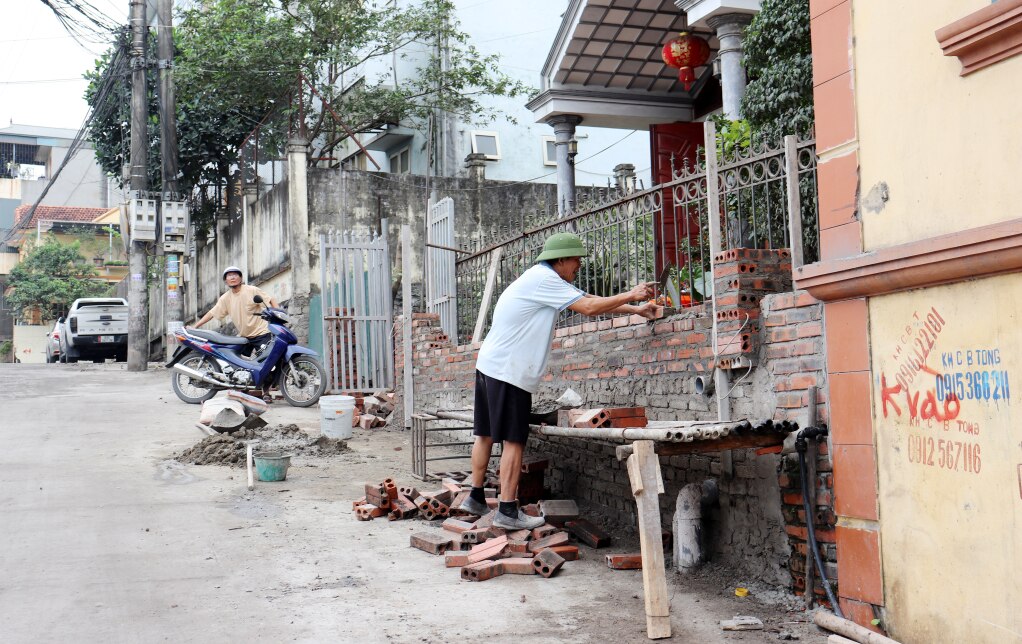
<point x="96" y="328"/>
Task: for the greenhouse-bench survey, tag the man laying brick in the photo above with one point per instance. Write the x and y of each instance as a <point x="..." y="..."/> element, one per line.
<point x="513" y="358"/>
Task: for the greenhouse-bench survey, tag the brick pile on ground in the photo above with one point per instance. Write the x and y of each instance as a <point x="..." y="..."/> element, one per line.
<point x="373" y="411"/>
<point x="481" y="550"/>
<point x="229" y="449"/>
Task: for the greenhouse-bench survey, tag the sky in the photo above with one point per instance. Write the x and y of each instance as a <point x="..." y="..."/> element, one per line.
<point x="41" y="65"/>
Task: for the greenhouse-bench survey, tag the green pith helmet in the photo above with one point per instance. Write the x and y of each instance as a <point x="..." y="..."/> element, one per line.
<point x="561" y="245"/>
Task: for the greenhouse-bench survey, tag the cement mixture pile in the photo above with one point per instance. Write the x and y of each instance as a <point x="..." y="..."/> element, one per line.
<point x="229" y="449"/>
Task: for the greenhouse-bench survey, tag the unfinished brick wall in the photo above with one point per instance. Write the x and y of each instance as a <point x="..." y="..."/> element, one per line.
<point x="628" y="361"/>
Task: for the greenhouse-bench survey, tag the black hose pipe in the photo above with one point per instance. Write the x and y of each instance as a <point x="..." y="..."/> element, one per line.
<point x="801" y="445"/>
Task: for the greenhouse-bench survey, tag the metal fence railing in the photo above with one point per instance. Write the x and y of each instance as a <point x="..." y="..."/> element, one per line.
<point x="663" y="234"/>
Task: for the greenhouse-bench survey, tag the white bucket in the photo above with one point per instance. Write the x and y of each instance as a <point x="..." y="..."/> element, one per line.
<point x="336" y="413"/>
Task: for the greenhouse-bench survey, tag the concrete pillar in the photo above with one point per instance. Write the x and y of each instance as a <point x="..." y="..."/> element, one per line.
<point x="476" y="164"/>
<point x="249" y="197"/>
<point x="564" y="131"/>
<point x="624" y="177"/>
<point x="730" y="32"/>
<point x="298" y="224"/>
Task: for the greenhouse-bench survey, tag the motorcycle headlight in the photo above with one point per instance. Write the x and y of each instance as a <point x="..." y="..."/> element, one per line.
<point x="282" y="316"/>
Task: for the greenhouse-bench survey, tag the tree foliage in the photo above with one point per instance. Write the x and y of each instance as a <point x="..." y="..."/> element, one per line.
<point x="51" y="277"/>
<point x="778" y="58"/>
<point x="243" y="63"/>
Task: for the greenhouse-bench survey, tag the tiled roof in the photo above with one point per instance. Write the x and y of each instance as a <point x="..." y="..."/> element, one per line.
<point x="56" y="213"/>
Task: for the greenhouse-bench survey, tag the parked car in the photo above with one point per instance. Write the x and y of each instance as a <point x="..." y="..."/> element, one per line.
<point x="53" y="342"/>
<point x="95" y="329"/>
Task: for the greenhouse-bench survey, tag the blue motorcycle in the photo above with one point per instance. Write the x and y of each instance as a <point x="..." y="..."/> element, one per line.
<point x="206" y="362"/>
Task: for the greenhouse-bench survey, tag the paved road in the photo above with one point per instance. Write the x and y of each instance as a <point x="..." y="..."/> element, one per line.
<point x="106" y="540"/>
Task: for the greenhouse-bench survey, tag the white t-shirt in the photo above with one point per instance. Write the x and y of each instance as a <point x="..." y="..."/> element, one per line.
<point x="518" y="345"/>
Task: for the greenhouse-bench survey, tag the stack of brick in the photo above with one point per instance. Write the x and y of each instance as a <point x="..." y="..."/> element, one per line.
<point x="742" y="277"/>
<point x="481" y="550"/>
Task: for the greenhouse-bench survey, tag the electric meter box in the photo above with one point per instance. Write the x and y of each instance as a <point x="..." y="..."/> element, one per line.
<point x="175" y="226"/>
<point x="142" y="218"/>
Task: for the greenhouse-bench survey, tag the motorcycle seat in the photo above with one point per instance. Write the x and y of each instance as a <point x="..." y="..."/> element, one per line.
<point x="218" y="338"/>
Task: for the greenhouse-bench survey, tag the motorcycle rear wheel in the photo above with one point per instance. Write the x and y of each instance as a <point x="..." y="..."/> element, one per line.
<point x="188" y="389"/>
<point x="302" y="381"/>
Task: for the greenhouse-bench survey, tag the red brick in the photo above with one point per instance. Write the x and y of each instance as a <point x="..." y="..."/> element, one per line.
<point x="547" y="563"/>
<point x="457" y="560"/>
<point x="588" y="533"/>
<point x="624" y="561"/>
<point x="556" y="539"/>
<point x="434" y="544"/>
<point x="481" y="571"/>
<point x="517" y="566"/>
<point x="861" y="613"/>
<point x="568" y="552"/>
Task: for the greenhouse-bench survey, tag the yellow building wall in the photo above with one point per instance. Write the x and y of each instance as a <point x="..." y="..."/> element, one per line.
<point x="947" y="365"/>
<point x="946" y="150"/>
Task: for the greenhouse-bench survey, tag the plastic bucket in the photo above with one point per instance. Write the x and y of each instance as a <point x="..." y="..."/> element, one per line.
<point x="336" y="413"/>
<point x="272" y="466"/>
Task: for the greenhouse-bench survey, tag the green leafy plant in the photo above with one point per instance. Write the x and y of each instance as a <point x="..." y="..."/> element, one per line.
<point x="51" y="277"/>
<point x="778" y="58"/>
<point x="240" y="64"/>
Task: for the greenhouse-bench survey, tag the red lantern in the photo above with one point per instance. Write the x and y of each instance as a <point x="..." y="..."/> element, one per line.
<point x="686" y="52"/>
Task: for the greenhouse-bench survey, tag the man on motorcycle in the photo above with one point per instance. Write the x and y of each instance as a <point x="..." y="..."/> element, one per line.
<point x="238" y="304"/>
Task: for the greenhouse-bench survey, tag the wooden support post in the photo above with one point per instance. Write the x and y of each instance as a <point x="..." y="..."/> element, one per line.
<point x="406" y="322"/>
<point x="647" y="485"/>
<point x="484" y="306"/>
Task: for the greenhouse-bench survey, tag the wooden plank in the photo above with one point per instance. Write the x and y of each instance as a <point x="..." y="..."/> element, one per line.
<point x="484" y="305"/>
<point x="406" y="321"/>
<point x="654" y="577"/>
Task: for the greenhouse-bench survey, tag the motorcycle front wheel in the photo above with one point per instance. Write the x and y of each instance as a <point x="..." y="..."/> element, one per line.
<point x="302" y="381"/>
<point x="190" y="390"/>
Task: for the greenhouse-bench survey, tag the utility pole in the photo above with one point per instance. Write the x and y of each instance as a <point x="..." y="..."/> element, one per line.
<point x="174" y="304"/>
<point x="138" y="295"/>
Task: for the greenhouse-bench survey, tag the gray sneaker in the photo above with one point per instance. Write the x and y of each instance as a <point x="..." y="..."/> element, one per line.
<point x="521" y="522"/>
<point x="472" y="506"/>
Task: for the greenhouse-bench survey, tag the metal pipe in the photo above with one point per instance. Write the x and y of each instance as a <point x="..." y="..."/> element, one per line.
<point x="197" y="375"/>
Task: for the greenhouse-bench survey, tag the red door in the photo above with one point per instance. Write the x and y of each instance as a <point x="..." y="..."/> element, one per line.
<point x="674" y="222"/>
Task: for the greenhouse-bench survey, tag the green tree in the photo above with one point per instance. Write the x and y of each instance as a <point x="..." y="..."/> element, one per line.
<point x="778" y="57"/>
<point x="242" y="63"/>
<point x="51" y="277"/>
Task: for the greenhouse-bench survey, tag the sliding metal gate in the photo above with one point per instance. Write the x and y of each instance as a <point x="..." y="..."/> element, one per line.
<point x="358" y="345"/>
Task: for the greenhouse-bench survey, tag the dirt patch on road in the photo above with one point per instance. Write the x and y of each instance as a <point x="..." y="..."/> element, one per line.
<point x="229" y="449"/>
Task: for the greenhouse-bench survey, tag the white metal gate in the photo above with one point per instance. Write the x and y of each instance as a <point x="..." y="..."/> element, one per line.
<point x="441" y="284"/>
<point x="358" y="346"/>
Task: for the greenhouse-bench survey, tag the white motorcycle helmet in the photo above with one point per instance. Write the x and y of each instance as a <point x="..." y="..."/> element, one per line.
<point x="233" y="269"/>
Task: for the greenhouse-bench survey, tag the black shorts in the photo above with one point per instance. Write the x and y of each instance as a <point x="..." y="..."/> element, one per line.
<point x="501" y="410"/>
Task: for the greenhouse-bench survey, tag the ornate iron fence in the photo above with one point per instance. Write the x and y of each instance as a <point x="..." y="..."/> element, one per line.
<point x="662" y="234"/>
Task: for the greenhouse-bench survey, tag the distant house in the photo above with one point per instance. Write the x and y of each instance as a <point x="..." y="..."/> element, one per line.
<point x="31" y="155"/>
<point x="95" y="229"/>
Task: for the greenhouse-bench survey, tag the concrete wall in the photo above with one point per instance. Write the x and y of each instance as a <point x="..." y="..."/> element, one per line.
<point x="30" y="343"/>
<point x="81" y="182"/>
<point x="270" y="246"/>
